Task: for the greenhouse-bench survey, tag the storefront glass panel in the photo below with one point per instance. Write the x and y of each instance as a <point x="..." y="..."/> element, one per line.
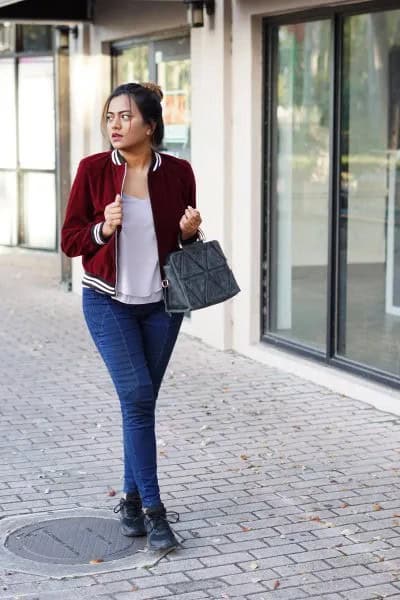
<point x="132" y="65"/>
<point x="8" y="147"/>
<point x="167" y="62"/>
<point x="36" y="125"/>
<point x="173" y="75"/>
<point x="8" y="155"/>
<point x="8" y="208"/>
<point x="369" y="214"/>
<point x="300" y="187"/>
<point x="28" y="151"/>
<point x="39" y="210"/>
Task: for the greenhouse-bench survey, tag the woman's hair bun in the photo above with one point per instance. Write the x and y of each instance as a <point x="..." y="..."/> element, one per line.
<point x="153" y="87"/>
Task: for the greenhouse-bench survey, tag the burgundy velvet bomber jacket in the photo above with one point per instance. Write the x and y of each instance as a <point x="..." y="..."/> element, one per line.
<point x="99" y="178"/>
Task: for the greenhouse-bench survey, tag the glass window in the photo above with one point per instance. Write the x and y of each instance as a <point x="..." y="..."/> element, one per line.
<point x="8" y="208"/>
<point x="39" y="210"/>
<point x="168" y="63"/>
<point x="173" y="75"/>
<point x="369" y="219"/>
<point x="8" y="149"/>
<point x="132" y="65"/>
<point x="300" y="187"/>
<point x="7" y="37"/>
<point x="36" y="113"/>
<point x="34" y="38"/>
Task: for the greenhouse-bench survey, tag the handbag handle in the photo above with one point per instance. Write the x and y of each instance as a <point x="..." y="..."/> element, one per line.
<point x="200" y="238"/>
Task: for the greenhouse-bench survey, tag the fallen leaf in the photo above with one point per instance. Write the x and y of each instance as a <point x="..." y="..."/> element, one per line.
<point x="381" y="558"/>
<point x="376" y="506"/>
<point x="396" y="515"/>
<point x="244" y="457"/>
<point x="96" y="561"/>
<point x="243" y="528"/>
<point x="344" y="505"/>
<point x="111" y="492"/>
<point x="315" y="518"/>
<point x="276" y="584"/>
<point x="396" y="523"/>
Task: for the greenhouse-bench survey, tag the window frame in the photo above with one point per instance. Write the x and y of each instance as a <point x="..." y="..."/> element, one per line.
<point x="336" y="14"/>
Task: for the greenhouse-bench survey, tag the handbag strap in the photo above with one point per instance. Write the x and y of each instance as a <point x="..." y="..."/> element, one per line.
<point x="200" y="238"/>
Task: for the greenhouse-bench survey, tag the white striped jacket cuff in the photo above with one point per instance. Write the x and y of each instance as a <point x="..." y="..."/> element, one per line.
<point x="96" y="234"/>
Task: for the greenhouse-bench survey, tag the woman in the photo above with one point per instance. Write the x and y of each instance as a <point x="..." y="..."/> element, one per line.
<point x="128" y="208"/>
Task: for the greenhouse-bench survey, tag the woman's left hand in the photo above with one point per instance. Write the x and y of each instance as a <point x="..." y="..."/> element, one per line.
<point x="190" y="222"/>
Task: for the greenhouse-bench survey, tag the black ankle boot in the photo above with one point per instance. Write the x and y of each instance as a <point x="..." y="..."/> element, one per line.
<point x="131" y="517"/>
<point x="159" y="534"/>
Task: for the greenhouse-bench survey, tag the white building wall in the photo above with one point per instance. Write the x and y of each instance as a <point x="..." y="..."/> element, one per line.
<point x="212" y="154"/>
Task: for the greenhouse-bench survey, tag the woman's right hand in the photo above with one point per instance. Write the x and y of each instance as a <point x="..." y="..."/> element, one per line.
<point x="112" y="217"/>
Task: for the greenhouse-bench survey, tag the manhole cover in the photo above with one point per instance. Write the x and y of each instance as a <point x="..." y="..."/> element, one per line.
<point x="72" y="541"/>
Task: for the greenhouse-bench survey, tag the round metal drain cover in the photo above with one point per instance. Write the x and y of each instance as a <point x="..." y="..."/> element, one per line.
<point x="72" y="541"/>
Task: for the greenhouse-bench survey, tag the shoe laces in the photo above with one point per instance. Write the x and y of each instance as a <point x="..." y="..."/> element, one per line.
<point x="126" y="503"/>
<point x="169" y="517"/>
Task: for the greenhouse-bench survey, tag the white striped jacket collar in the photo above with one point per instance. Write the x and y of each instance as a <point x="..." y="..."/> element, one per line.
<point x="118" y="159"/>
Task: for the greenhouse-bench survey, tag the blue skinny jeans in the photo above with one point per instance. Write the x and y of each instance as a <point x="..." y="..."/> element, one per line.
<point x="136" y="342"/>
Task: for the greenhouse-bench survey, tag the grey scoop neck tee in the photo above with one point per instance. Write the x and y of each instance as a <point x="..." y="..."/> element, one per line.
<point x="138" y="272"/>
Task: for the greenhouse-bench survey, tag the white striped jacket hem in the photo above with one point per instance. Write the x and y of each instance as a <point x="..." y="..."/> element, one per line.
<point x="98" y="284"/>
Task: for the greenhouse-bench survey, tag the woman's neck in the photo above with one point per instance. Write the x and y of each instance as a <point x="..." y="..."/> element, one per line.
<point x="139" y="159"/>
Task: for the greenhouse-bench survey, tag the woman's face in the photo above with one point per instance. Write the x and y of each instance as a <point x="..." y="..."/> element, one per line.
<point x="125" y="126"/>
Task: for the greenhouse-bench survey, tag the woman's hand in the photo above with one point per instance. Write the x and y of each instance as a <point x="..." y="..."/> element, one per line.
<point x="190" y="222"/>
<point x="112" y="217"/>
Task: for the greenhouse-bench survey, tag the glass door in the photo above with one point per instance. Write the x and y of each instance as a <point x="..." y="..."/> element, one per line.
<point x="36" y="133"/>
<point x="300" y="182"/>
<point x="369" y="212"/>
<point x="332" y="220"/>
<point x="8" y="155"/>
<point x="28" y="199"/>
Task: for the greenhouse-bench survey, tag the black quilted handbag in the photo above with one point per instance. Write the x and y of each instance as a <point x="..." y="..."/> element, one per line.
<point x="197" y="275"/>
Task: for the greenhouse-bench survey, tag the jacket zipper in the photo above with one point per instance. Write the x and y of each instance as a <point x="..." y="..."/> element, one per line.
<point x="116" y="234"/>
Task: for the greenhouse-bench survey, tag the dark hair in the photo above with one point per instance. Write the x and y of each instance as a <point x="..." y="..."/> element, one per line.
<point x="147" y="97"/>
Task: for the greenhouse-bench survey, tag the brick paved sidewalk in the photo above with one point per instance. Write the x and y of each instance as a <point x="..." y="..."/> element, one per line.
<point x="285" y="490"/>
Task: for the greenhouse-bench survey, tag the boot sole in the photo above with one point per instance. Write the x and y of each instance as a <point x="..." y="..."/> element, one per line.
<point x="169" y="547"/>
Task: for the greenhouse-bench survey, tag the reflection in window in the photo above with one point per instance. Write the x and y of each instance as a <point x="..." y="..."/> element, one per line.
<point x="174" y="79"/>
<point x="8" y="150"/>
<point x="8" y="208"/>
<point x="369" y="292"/>
<point x="34" y="38"/>
<point x="301" y="189"/>
<point x="36" y="113"/>
<point x="39" y="210"/>
<point x="167" y="62"/>
<point x="7" y="38"/>
<point x="133" y="65"/>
